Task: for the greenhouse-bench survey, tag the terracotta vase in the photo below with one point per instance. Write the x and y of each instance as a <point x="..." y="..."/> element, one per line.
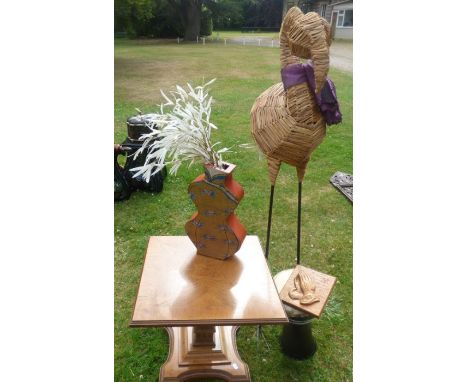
<point x="214" y="229"/>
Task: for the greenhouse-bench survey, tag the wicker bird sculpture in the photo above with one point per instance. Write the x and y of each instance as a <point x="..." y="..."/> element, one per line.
<point x="288" y="120"/>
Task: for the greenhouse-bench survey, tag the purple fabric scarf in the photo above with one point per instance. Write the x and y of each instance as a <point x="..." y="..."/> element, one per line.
<point x="327" y="100"/>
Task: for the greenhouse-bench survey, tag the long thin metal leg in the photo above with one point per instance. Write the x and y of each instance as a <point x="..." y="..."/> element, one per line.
<point x="259" y="331"/>
<point x="270" y="211"/>
<point x="267" y="246"/>
<point x="299" y="198"/>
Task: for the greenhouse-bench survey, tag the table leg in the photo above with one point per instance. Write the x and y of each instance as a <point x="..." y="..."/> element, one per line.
<point x="203" y="335"/>
<point x="203" y="352"/>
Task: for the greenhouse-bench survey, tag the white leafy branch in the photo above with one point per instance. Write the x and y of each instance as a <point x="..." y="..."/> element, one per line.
<point x="181" y="134"/>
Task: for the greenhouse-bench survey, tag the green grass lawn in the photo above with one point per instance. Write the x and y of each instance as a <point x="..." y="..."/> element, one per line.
<point x="242" y="72"/>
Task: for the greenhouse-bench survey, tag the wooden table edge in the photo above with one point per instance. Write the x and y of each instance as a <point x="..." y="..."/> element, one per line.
<point x="232" y="322"/>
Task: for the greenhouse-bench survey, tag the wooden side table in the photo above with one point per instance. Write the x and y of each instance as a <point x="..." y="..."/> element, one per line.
<point x="201" y="302"/>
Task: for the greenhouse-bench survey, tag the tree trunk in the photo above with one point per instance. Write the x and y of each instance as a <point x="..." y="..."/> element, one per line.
<point x="191" y="13"/>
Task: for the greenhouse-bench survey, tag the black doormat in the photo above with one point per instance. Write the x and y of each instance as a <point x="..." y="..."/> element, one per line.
<point x="344" y="183"/>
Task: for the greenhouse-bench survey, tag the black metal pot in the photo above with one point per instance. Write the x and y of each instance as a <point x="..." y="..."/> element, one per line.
<point x="137" y="126"/>
<point x="124" y="180"/>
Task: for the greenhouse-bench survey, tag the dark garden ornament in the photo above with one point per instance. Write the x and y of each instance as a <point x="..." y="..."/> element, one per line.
<point x="122" y="189"/>
<point x="124" y="182"/>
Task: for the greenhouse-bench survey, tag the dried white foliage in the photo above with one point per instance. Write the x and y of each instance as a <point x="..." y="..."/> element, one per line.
<point x="180" y="134"/>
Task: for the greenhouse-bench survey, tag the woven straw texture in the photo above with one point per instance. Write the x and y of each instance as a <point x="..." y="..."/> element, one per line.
<point x="288" y="125"/>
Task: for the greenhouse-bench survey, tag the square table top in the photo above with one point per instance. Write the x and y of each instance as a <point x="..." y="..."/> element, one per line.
<point x="180" y="288"/>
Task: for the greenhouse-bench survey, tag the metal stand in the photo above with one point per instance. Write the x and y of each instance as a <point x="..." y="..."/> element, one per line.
<point x="299" y="198"/>
<point x="270" y="211"/>
<point x="267" y="247"/>
<point x="296" y="338"/>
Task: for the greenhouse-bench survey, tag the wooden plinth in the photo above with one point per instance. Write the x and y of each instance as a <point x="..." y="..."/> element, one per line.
<point x="189" y="359"/>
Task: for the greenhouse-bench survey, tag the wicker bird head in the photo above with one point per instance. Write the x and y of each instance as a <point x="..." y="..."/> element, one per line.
<point x="306" y="36"/>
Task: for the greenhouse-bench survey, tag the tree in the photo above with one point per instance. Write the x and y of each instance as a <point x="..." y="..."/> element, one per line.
<point x="190" y="14"/>
<point x="171" y="18"/>
<point x="263" y="13"/>
<point x="166" y="22"/>
<point x="228" y="13"/>
<point x="129" y="14"/>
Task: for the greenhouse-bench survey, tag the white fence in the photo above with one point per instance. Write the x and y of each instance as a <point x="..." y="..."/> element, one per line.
<point x="244" y="41"/>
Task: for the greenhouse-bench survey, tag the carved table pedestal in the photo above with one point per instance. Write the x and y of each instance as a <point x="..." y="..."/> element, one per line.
<point x="201" y="302"/>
